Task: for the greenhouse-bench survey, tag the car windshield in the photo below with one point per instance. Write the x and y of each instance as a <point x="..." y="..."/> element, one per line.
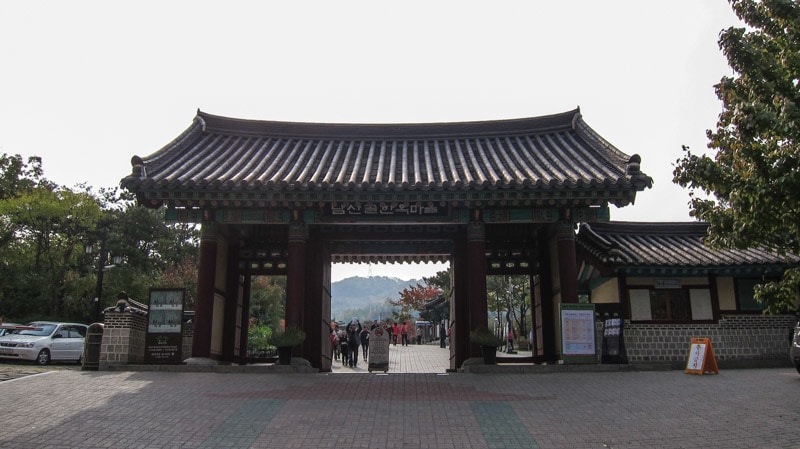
<point x="42" y="330"/>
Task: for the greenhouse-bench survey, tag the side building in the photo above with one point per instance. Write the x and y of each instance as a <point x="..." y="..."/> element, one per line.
<point x="668" y="287"/>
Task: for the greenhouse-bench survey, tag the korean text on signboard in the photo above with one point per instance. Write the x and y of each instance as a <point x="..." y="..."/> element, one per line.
<point x="577" y="330"/>
<point x="385" y="209"/>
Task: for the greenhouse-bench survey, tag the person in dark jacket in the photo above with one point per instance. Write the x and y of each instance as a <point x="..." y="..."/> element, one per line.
<point x="365" y="343"/>
<point x="354" y="340"/>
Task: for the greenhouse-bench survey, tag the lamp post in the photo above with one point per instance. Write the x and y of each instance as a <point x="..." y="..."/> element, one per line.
<point x="101" y="262"/>
<point x="101" y="269"/>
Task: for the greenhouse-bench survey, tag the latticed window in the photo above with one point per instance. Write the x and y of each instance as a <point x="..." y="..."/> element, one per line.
<point x="672" y="304"/>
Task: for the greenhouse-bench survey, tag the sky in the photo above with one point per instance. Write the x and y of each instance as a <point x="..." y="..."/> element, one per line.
<point x="86" y="85"/>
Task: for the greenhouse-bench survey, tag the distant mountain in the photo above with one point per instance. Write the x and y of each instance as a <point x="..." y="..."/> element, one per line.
<point x="366" y="297"/>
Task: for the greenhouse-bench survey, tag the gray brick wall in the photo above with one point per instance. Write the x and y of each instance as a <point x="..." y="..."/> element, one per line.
<point x="735" y="338"/>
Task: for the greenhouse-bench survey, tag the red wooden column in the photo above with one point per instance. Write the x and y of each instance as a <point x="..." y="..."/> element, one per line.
<point x="567" y="263"/>
<point x="231" y="328"/>
<point x="459" y="303"/>
<point x="476" y="259"/>
<point x="317" y="313"/>
<point x="296" y="270"/>
<point x="204" y="301"/>
<point x="245" y="319"/>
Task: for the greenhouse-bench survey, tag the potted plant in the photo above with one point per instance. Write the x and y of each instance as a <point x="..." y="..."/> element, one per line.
<point x="488" y="342"/>
<point x="285" y="341"/>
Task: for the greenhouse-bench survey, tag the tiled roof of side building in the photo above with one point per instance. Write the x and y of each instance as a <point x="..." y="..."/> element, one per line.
<point x="550" y="152"/>
<point x="670" y="244"/>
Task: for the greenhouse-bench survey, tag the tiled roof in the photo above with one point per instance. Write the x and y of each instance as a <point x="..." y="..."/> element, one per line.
<point x="665" y="245"/>
<point x="549" y="153"/>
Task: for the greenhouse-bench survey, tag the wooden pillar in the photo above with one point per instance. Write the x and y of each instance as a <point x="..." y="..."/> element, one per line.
<point x="296" y="272"/>
<point x="204" y="302"/>
<point x="316" y="318"/>
<point x="567" y="263"/>
<point x="245" y="319"/>
<point x="459" y="304"/>
<point x="233" y="300"/>
<point x="546" y="292"/>
<point x="476" y="258"/>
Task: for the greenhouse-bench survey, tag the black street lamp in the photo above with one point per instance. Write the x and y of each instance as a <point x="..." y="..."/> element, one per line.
<point x="101" y="269"/>
<point x="98" y="292"/>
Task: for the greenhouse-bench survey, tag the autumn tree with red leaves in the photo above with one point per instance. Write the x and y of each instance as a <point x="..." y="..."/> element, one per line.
<point x="414" y="298"/>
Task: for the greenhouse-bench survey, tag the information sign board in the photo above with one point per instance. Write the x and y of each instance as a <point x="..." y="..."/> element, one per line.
<point x="577" y="333"/>
<point x="164" y="338"/>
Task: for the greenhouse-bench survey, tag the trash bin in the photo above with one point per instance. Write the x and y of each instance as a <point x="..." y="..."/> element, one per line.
<point x="91" y="347"/>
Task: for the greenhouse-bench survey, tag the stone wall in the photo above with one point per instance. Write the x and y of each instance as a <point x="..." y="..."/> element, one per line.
<point x="737" y="340"/>
<point x="124" y="335"/>
<point x="123" y="338"/>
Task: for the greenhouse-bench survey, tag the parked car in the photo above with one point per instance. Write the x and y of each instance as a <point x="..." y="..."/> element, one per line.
<point x="794" y="347"/>
<point x="44" y="341"/>
<point x="6" y="328"/>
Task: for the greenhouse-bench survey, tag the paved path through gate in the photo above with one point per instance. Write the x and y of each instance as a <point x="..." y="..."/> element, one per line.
<point x="160" y="410"/>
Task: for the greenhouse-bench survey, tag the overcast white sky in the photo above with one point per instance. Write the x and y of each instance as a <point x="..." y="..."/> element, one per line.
<point x="87" y="85"/>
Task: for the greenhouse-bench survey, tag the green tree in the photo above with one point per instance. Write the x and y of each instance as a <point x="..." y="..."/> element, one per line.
<point x="268" y="301"/>
<point x="749" y="191"/>
<point x="151" y="253"/>
<point x="509" y="298"/>
<point x="48" y="226"/>
<point x="45" y="230"/>
<point x="18" y="176"/>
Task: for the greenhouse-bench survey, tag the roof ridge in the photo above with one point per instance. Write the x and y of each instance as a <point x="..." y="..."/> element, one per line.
<point x="409" y="131"/>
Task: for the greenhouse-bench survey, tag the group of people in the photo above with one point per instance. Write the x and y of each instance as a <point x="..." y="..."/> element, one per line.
<point x="396" y="331"/>
<point x="346" y="341"/>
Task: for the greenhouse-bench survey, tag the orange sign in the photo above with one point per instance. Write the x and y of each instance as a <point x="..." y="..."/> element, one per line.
<point x="701" y="357"/>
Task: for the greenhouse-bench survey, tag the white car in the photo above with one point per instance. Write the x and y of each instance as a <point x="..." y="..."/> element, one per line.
<point x="44" y="341"/>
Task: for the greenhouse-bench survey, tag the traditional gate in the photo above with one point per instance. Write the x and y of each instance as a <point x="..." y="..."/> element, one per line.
<point x="282" y="198"/>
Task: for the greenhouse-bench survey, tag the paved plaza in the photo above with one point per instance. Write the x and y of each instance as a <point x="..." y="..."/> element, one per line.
<point x="69" y="408"/>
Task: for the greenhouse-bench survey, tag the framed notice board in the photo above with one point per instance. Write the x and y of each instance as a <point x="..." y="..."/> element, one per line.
<point x="701" y="357"/>
<point x="577" y="333"/>
<point x="164" y="338"/>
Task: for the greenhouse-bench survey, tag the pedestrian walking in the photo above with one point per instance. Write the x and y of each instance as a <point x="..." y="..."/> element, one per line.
<point x="335" y="344"/>
<point x="365" y="343"/>
<point x="419" y="336"/>
<point x="404" y="333"/>
<point x="344" y="348"/>
<point x="442" y="335"/>
<point x="395" y="333"/>
<point x="353" y="340"/>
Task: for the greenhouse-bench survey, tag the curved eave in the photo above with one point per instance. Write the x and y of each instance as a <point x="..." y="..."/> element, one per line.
<point x="552" y="154"/>
<point x="671" y="249"/>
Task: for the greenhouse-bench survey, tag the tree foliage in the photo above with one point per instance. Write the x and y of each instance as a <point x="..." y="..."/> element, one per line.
<point x="268" y="300"/>
<point x="438" y="309"/>
<point x="55" y="241"/>
<point x="748" y="190"/>
<point x="509" y="298"/>
<point x="413" y="299"/>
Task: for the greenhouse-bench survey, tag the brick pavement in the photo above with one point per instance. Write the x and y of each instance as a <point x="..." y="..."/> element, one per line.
<point x="154" y="410"/>
<point x="427" y="358"/>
